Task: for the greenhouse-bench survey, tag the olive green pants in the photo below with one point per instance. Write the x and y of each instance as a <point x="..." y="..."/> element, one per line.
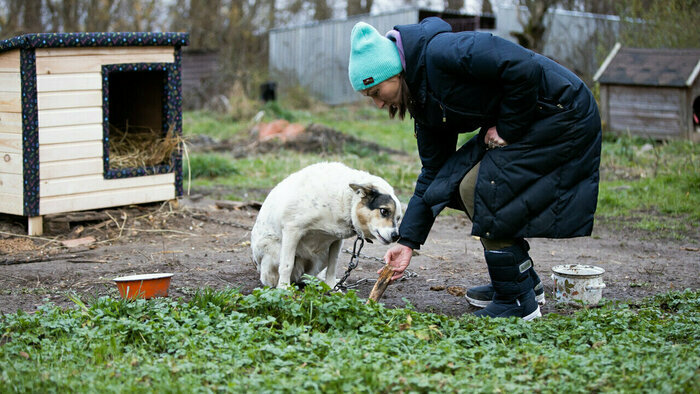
<point x="466" y="192"/>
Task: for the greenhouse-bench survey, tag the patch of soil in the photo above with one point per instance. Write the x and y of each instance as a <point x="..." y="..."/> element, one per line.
<point x="208" y="245"/>
<point x="317" y="138"/>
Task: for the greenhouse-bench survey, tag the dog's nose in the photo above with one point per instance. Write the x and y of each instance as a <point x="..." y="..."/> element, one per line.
<point x="394" y="236"/>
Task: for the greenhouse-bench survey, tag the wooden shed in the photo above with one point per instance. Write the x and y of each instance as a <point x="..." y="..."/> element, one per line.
<point x="651" y="92"/>
<point x="61" y="94"/>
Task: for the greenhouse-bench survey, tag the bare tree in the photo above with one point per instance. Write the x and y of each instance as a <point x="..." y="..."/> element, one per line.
<point x="454" y="5"/>
<point x="357" y="7"/>
<point x="20" y="17"/>
<point x="533" y="23"/>
<point x="322" y="10"/>
<point x="660" y="23"/>
<point x="140" y="15"/>
<point x="32" y="16"/>
<point x="486" y="7"/>
<point x="99" y="14"/>
<point x="10" y="24"/>
<point x="64" y="15"/>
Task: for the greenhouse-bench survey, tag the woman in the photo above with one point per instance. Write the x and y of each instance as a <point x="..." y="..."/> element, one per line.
<point x="532" y="171"/>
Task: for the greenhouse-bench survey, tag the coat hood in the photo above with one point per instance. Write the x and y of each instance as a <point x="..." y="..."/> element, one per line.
<point x="415" y="38"/>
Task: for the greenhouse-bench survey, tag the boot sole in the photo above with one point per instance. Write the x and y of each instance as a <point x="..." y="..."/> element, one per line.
<point x="483" y="304"/>
<point x="478" y="303"/>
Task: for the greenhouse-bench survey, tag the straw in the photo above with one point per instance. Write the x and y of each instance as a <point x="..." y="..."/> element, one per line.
<point x="141" y="146"/>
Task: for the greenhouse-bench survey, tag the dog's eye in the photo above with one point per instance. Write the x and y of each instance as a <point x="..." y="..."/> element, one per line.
<point x="384" y="212"/>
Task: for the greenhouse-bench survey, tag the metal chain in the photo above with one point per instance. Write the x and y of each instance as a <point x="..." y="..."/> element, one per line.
<point x="354" y="260"/>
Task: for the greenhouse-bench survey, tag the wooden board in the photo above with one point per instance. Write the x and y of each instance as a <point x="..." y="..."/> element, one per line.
<point x="69" y="99"/>
<point x="64" y="169"/>
<point x="11" y="204"/>
<point x="10" y="163"/>
<point x="69" y="134"/>
<point x="101" y="51"/>
<point x="97" y="183"/>
<point x="35" y="225"/>
<point x="86" y="64"/>
<point x="11" y="184"/>
<point x="10" y="143"/>
<point x="72" y="82"/>
<point x="10" y="82"/>
<point x="70" y="151"/>
<point x="111" y="198"/>
<point x="11" y="122"/>
<point x="70" y="117"/>
<point x="645" y="110"/>
<point x="9" y="61"/>
<point x="10" y="102"/>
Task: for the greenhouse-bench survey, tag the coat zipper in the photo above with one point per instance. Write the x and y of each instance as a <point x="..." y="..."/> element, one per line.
<point x="468" y="114"/>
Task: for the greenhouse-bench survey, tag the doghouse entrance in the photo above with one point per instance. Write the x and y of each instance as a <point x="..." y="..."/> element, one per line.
<point x="139" y="133"/>
<point x="136" y="100"/>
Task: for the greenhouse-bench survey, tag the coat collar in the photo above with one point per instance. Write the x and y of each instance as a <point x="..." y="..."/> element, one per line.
<point x="415" y="38"/>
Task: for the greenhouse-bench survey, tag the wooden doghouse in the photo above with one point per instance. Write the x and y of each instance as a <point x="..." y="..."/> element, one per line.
<point x="651" y="92"/>
<point x="59" y="96"/>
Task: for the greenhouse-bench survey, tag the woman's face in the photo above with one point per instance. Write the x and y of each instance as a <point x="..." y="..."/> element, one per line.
<point x="386" y="93"/>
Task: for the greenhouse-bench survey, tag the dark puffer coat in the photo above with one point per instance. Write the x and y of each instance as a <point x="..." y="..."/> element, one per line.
<point x="544" y="183"/>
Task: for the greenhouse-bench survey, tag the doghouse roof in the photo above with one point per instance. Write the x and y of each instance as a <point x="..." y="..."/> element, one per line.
<point x="650" y="67"/>
<point x="66" y="40"/>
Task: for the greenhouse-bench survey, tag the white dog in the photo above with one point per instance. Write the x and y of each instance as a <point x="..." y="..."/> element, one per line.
<point x="304" y="219"/>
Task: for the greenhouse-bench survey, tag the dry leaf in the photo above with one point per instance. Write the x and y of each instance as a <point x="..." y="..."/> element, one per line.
<point x="457" y="291"/>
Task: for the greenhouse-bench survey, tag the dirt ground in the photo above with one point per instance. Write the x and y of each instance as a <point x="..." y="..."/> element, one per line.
<point x="206" y="244"/>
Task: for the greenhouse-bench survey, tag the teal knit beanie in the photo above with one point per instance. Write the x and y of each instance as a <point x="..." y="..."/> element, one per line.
<point x="373" y="57"/>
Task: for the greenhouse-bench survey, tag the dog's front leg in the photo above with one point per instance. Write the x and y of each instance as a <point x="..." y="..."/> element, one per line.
<point x="333" y="253"/>
<point x="290" y="240"/>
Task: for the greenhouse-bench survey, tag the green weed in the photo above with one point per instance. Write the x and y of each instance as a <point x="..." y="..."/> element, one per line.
<point x="310" y="341"/>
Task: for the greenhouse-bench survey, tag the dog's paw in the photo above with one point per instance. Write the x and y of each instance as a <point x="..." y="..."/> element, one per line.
<point x="331" y="282"/>
<point x="284" y="285"/>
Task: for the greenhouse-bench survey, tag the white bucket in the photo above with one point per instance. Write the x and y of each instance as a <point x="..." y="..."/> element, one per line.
<point x="574" y="282"/>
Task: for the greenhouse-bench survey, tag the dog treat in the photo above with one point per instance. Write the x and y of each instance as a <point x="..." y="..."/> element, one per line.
<point x="382" y="283"/>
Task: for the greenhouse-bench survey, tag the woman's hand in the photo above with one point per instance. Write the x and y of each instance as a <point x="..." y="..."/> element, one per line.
<point x="493" y="140"/>
<point x="399" y="257"/>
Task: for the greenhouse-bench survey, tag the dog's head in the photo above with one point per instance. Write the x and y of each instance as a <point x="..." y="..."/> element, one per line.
<point x="376" y="212"/>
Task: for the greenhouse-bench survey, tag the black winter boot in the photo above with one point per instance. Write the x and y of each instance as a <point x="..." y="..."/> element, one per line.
<point x="512" y="284"/>
<point x="481" y="296"/>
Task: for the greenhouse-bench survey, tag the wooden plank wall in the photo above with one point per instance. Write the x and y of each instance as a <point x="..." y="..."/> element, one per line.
<point x="69" y="89"/>
<point x="647" y="111"/>
<point x="11" y="189"/>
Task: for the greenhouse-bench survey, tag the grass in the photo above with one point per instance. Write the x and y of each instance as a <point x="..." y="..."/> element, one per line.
<point x="292" y="341"/>
<point x="651" y="186"/>
<point x="645" y="185"/>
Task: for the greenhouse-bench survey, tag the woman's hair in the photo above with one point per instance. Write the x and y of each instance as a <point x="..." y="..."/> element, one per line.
<point x="405" y="100"/>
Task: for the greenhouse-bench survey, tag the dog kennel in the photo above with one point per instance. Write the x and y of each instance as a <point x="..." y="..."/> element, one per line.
<point x="650" y="92"/>
<point x="69" y="102"/>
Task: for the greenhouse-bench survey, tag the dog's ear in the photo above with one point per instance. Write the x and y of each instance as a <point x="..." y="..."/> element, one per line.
<point x="363" y="190"/>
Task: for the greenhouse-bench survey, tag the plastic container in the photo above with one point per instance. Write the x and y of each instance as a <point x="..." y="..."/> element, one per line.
<point x="144" y="286"/>
<point x="576" y="282"/>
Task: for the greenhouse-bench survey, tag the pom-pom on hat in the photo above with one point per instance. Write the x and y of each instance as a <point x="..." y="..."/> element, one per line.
<point x="373" y="57"/>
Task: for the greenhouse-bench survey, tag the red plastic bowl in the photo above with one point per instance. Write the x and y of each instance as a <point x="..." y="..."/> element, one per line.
<point x="144" y="286"/>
